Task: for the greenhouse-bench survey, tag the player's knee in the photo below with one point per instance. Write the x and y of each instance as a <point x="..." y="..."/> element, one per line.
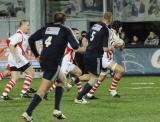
<point x="60" y="84"/>
<point x="41" y="93"/>
<point x="32" y="73"/>
<point x="92" y="81"/>
<point x="15" y="79"/>
<point x="120" y="70"/>
<point x="101" y="78"/>
<point x="79" y="73"/>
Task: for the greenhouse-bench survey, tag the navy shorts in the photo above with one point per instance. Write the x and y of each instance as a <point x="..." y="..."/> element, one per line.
<point x="51" y="74"/>
<point x="21" y="69"/>
<point x="93" y="64"/>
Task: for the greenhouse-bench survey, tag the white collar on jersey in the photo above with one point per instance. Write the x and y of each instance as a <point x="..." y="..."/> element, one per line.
<point x="20" y="31"/>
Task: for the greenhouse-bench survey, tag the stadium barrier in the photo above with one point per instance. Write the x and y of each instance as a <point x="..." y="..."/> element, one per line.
<point x="139" y="60"/>
<point x="135" y="60"/>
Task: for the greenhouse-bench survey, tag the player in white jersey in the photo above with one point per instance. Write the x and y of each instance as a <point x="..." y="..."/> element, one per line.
<point x="107" y="60"/>
<point x="17" y="44"/>
<point x="114" y="42"/>
<point x="68" y="66"/>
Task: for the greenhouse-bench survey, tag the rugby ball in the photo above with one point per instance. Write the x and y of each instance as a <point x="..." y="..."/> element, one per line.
<point x="118" y="43"/>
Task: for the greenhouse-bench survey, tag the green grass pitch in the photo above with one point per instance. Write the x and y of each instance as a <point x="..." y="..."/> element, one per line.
<point x="139" y="102"/>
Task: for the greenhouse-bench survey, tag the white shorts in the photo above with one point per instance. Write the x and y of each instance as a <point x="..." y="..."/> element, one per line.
<point x="67" y="67"/>
<point x="107" y="59"/>
<point x="13" y="63"/>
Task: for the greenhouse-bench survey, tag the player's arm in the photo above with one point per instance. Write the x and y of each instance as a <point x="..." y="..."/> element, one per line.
<point x="105" y="41"/>
<point x="13" y="41"/>
<point x="35" y="37"/>
<point x="72" y="39"/>
<point x="84" y="46"/>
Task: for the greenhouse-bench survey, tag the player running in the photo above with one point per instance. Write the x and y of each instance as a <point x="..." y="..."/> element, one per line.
<point x="18" y="62"/>
<point x="98" y="43"/>
<point x="109" y="63"/>
<point x="55" y="39"/>
<point x="69" y="66"/>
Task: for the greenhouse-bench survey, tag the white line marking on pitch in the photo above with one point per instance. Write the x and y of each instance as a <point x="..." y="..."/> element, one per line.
<point x="15" y="98"/>
<point x="143" y="83"/>
<point x="144" y="87"/>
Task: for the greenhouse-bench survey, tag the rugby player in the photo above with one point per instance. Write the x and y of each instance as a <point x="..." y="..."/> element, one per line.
<point x="55" y="39"/>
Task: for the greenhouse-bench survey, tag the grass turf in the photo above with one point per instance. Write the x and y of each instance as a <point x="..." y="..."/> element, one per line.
<point x="139" y="102"/>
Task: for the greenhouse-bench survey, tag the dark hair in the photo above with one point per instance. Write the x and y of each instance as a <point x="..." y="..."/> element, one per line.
<point x="75" y="29"/>
<point x="84" y="33"/>
<point x="22" y="22"/>
<point x="116" y="25"/>
<point x="60" y="17"/>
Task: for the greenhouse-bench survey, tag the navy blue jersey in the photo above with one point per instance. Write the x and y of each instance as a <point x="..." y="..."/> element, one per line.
<point x="55" y="38"/>
<point x="98" y="38"/>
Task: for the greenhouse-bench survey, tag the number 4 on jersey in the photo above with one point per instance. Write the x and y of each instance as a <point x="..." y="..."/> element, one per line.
<point x="48" y="41"/>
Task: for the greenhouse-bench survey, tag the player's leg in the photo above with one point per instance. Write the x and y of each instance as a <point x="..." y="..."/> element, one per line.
<point x="106" y="61"/>
<point x="53" y="87"/>
<point x="84" y="77"/>
<point x="93" y="66"/>
<point x="90" y="94"/>
<point x="77" y="73"/>
<point x="44" y="86"/>
<point x="118" y="69"/>
<point x="62" y="77"/>
<point x="28" y="69"/>
<point x="58" y="95"/>
<point x="65" y="69"/>
<point x="46" y="83"/>
<point x="86" y="89"/>
<point x="11" y="83"/>
<point x="5" y="73"/>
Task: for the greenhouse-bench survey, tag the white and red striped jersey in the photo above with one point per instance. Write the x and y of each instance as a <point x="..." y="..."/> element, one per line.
<point x="113" y="36"/>
<point x="69" y="54"/>
<point x="20" y="41"/>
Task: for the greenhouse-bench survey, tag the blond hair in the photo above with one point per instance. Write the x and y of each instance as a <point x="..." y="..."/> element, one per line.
<point x="22" y="22"/>
<point x="107" y="15"/>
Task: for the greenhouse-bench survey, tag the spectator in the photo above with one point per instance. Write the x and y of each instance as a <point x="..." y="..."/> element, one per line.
<point x="142" y="7"/>
<point x="135" y="40"/>
<point x="124" y="37"/>
<point x="152" y="39"/>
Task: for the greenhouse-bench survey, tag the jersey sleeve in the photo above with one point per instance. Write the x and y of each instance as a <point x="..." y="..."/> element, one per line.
<point x="72" y="39"/>
<point x="105" y="38"/>
<point x="15" y="39"/>
<point x="35" y="37"/>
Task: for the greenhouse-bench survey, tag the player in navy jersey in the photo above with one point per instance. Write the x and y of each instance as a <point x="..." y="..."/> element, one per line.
<point x="98" y="43"/>
<point x="55" y="37"/>
<point x="109" y="63"/>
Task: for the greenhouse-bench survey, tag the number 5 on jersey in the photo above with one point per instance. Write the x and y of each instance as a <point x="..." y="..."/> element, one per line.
<point x="92" y="35"/>
<point x="48" y="41"/>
